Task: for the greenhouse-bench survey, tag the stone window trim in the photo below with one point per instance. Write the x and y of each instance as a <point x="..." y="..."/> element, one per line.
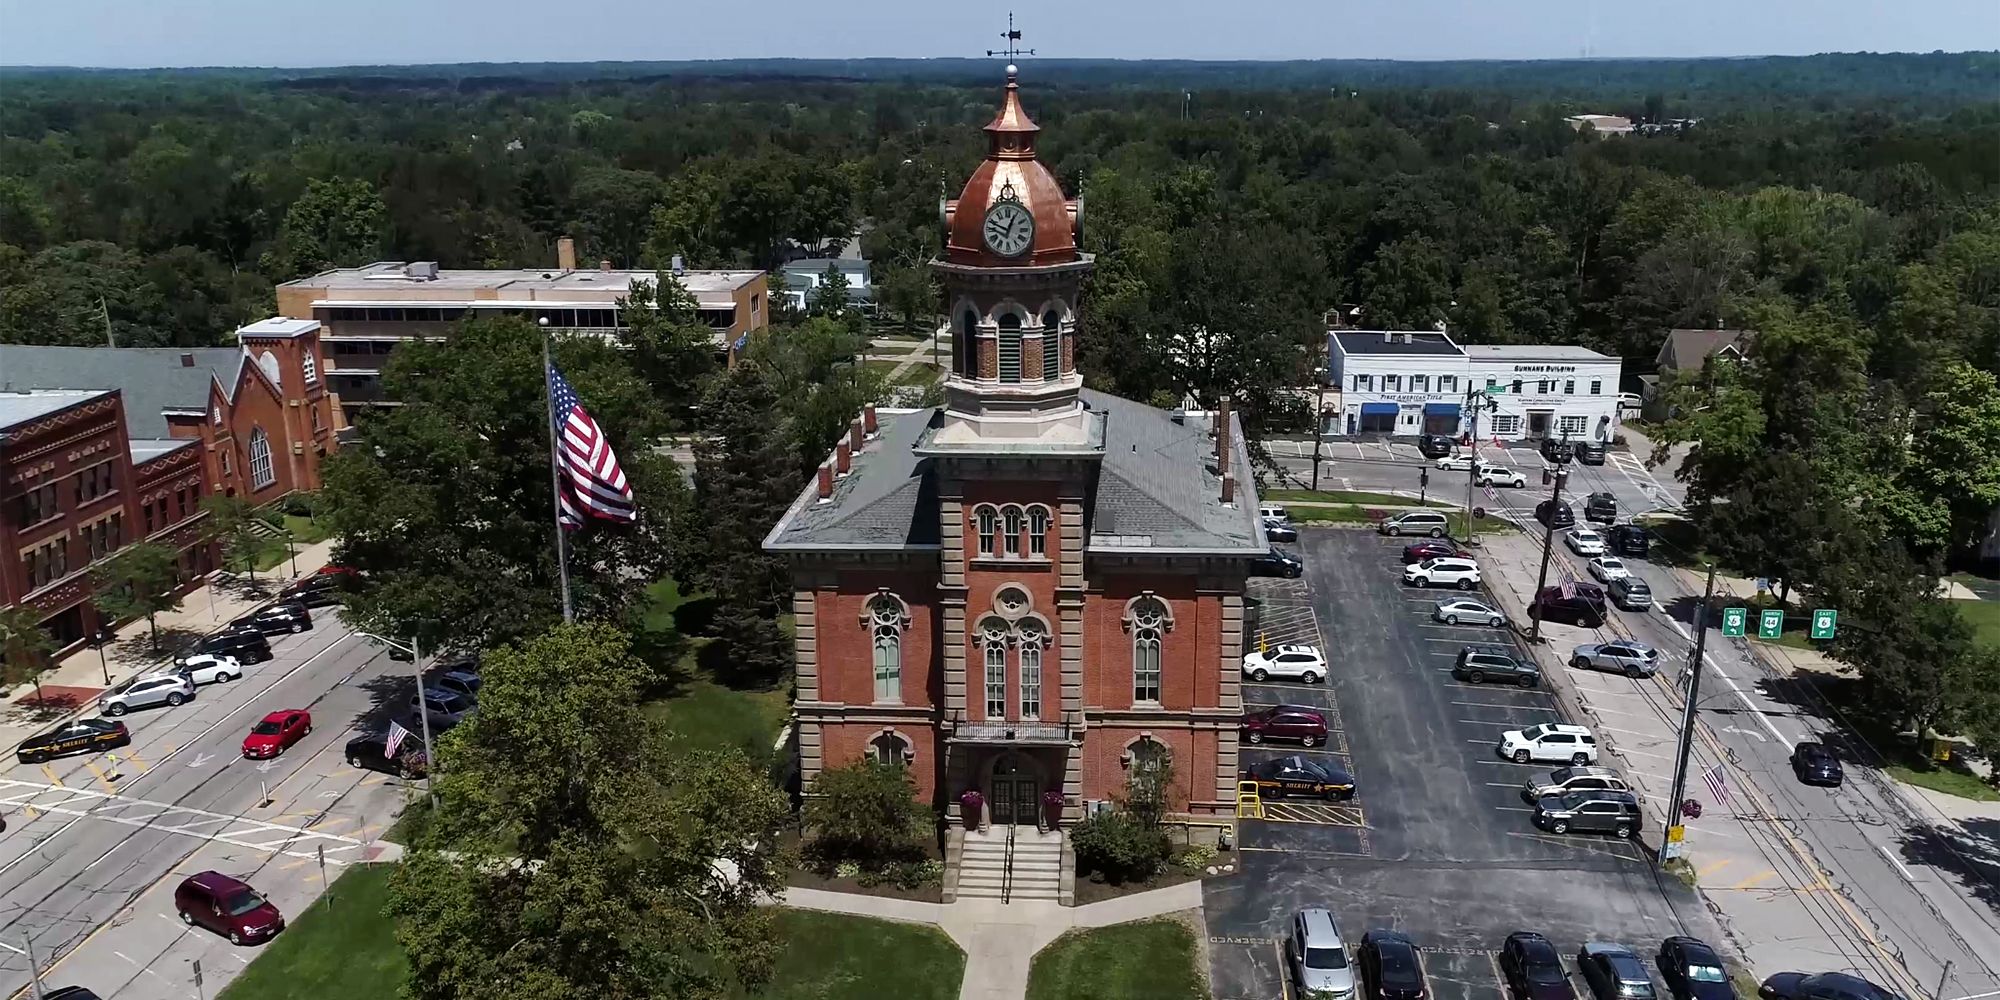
<point x="1013" y="524"/>
<point x="995" y="628"/>
<point x="908" y="747"/>
<point x="882" y="604"/>
<point x="986" y="526"/>
<point x="1135" y="616"/>
<point x="1129" y="755"/>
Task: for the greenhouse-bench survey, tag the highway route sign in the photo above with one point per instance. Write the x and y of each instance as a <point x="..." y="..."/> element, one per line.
<point x="1733" y="620"/>
<point x="1822" y="622"/>
<point x="1771" y="623"/>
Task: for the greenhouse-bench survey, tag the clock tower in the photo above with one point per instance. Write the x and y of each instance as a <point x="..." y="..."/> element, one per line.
<point x="1011" y="272"/>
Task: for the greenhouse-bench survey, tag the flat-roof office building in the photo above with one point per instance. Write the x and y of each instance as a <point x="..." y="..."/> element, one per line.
<point x="1405" y="383"/>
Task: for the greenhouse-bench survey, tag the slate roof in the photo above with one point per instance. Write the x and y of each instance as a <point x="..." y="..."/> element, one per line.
<point x="1688" y="349"/>
<point x="146" y="450"/>
<point x="17" y="407"/>
<point x="152" y="378"/>
<point x="1157" y="490"/>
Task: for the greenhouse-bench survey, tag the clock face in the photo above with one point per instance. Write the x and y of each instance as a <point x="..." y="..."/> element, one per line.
<point x="1010" y="228"/>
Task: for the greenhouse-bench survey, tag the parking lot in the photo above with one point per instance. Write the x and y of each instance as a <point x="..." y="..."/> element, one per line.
<point x="1437" y="842"/>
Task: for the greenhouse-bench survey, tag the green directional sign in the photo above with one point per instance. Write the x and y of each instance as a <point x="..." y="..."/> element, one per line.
<point x="1771" y="623"/>
<point x="1822" y="622"/>
<point x="1733" y="620"/>
<point x="1496" y="390"/>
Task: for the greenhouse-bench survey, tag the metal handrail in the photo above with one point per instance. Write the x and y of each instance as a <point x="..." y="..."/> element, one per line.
<point x="1007" y="870"/>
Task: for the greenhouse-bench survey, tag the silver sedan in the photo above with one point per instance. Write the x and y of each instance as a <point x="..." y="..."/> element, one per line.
<point x="1626" y="656"/>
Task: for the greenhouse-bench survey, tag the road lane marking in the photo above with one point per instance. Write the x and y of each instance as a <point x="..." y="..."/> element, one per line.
<point x="1907" y="877"/>
<point x="53" y="780"/>
<point x="1756" y="880"/>
<point x="249" y="827"/>
<point x="1709" y="869"/>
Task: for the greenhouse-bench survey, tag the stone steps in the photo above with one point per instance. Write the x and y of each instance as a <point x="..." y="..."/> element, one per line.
<point x="982" y="871"/>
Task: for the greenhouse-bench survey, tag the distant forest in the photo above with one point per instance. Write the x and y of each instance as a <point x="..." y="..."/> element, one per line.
<point x="1229" y="203"/>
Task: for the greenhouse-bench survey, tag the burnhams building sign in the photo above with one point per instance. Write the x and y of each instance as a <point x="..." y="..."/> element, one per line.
<point x="1545" y="368"/>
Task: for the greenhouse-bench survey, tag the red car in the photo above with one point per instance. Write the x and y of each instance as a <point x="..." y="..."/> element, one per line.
<point x="277" y="733"/>
<point x="1417" y="552"/>
<point x="1286" y="722"/>
<point x="227" y="907"/>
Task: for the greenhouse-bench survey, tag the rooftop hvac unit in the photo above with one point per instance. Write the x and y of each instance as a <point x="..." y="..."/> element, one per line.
<point x="423" y="270"/>
<point x="680" y="266"/>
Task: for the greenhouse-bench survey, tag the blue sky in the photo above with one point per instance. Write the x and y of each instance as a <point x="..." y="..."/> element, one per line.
<point x="350" y="32"/>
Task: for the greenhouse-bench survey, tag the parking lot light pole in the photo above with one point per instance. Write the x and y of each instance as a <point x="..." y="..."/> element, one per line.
<point x="1687" y="715"/>
<point x="1472" y="473"/>
<point x="1548" y="545"/>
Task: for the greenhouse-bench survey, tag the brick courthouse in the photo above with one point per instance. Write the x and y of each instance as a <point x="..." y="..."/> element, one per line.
<point x="1036" y="584"/>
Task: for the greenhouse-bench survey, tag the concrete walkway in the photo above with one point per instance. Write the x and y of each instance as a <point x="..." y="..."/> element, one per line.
<point x="1001" y="939"/>
<point x="80" y="676"/>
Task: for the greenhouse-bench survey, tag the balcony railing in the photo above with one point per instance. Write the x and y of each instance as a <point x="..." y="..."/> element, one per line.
<point x="1018" y="733"/>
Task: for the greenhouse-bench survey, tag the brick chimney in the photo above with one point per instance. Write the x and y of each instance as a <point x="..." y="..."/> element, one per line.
<point x="843" y="458"/>
<point x="868" y="422"/>
<point x="1228" y="490"/>
<point x="566" y="254"/>
<point x="854" y="436"/>
<point x="825" y="482"/>
<point x="1222" y="439"/>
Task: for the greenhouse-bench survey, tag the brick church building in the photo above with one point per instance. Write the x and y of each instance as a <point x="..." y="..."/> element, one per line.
<point x="1035" y="585"/>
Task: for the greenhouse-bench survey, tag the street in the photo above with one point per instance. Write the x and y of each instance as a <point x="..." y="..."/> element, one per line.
<point x="96" y="844"/>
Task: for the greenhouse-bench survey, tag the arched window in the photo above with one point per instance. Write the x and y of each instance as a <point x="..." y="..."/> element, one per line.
<point x="1010" y="530"/>
<point x="1010" y="348"/>
<point x="1148" y="617"/>
<point x="988" y="523"/>
<point x="1051" y="345"/>
<point x="965" y="346"/>
<point x="1038" y="531"/>
<point x="261" y="474"/>
<point x="890" y="748"/>
<point x="1032" y="641"/>
<point x="996" y="678"/>
<point x="885" y="615"/>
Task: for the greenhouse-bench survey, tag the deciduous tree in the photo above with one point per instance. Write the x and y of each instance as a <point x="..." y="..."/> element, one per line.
<point x="138" y="581"/>
<point x="26" y="649"/>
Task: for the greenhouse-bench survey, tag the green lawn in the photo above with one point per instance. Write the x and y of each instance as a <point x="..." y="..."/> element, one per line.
<point x="1348" y="496"/>
<point x="1152" y="960"/>
<point x="346" y="953"/>
<point x="1950" y="779"/>
<point x="350" y="953"/>
<point x="305" y="529"/>
<point x="1984" y="617"/>
<point x="833" y="956"/>
<point x="706" y="714"/>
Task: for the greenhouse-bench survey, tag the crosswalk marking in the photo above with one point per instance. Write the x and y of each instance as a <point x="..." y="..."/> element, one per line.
<point x="185" y="820"/>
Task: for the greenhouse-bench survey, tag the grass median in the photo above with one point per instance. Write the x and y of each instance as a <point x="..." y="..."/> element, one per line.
<point x="344" y="952"/>
<point x="1348" y="497"/>
<point x="1154" y="959"/>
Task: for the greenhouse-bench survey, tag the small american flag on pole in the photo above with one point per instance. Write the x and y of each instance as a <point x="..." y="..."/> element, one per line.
<point x="1718" y="783"/>
<point x="395" y="740"/>
<point x="592" y="482"/>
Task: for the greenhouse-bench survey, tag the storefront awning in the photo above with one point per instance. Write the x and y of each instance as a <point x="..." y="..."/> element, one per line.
<point x="1378" y="409"/>
<point x="1440" y="409"/>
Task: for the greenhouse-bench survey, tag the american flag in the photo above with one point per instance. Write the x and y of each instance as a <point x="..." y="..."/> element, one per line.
<point x="1718" y="783"/>
<point x="395" y="740"/>
<point x="593" y="482"/>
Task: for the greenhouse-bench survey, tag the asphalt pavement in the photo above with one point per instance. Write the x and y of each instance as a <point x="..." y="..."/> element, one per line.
<point x="1437" y="842"/>
<point x="96" y="844"/>
<point x="1855" y="879"/>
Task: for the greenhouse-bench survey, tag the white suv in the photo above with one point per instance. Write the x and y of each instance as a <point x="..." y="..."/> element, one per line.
<point x="1573" y="745"/>
<point x="1295" y="661"/>
<point x="145" y="691"/>
<point x="1444" y="571"/>
<point x="209" y="668"/>
<point x="1499" y="475"/>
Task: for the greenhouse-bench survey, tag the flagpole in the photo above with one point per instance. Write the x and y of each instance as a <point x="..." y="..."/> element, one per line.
<point x="555" y="469"/>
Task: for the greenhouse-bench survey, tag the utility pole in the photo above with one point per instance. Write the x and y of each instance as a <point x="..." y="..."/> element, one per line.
<point x="1942" y="976"/>
<point x="1472" y="473"/>
<point x="1548" y="545"/>
<point x="34" y="967"/>
<point x="1319" y="409"/>
<point x="424" y="720"/>
<point x="1687" y="715"/>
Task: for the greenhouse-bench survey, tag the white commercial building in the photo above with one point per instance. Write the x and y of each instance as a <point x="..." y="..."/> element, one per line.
<point x="1406" y="383"/>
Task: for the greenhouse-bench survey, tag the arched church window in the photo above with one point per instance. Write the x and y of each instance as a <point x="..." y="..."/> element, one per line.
<point x="1148" y="618"/>
<point x="1010" y="530"/>
<point x="885" y="617"/>
<point x="1038" y="531"/>
<point x="890" y="748"/>
<point x="1010" y="348"/>
<point x="1051" y="345"/>
<point x="1032" y="640"/>
<point x="987" y="521"/>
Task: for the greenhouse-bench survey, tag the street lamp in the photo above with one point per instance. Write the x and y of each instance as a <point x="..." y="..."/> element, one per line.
<point x="1561" y="476"/>
<point x="423" y="711"/>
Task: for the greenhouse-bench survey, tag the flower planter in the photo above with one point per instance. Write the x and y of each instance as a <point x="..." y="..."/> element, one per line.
<point x="1052" y="809"/>
<point x="971" y="808"/>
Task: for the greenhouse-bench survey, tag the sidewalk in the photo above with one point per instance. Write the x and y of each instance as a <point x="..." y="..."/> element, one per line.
<point x="1001" y="939"/>
<point x="73" y="686"/>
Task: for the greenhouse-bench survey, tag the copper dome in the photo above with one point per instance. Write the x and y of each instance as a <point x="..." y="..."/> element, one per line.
<point x="1010" y="170"/>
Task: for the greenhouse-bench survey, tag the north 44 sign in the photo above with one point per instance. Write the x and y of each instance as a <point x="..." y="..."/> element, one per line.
<point x="1822" y="623"/>
<point x="1733" y="620"/>
<point x="1770" y="623"/>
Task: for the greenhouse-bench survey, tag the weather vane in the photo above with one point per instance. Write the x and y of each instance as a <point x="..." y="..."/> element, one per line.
<point x="1013" y="37"/>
